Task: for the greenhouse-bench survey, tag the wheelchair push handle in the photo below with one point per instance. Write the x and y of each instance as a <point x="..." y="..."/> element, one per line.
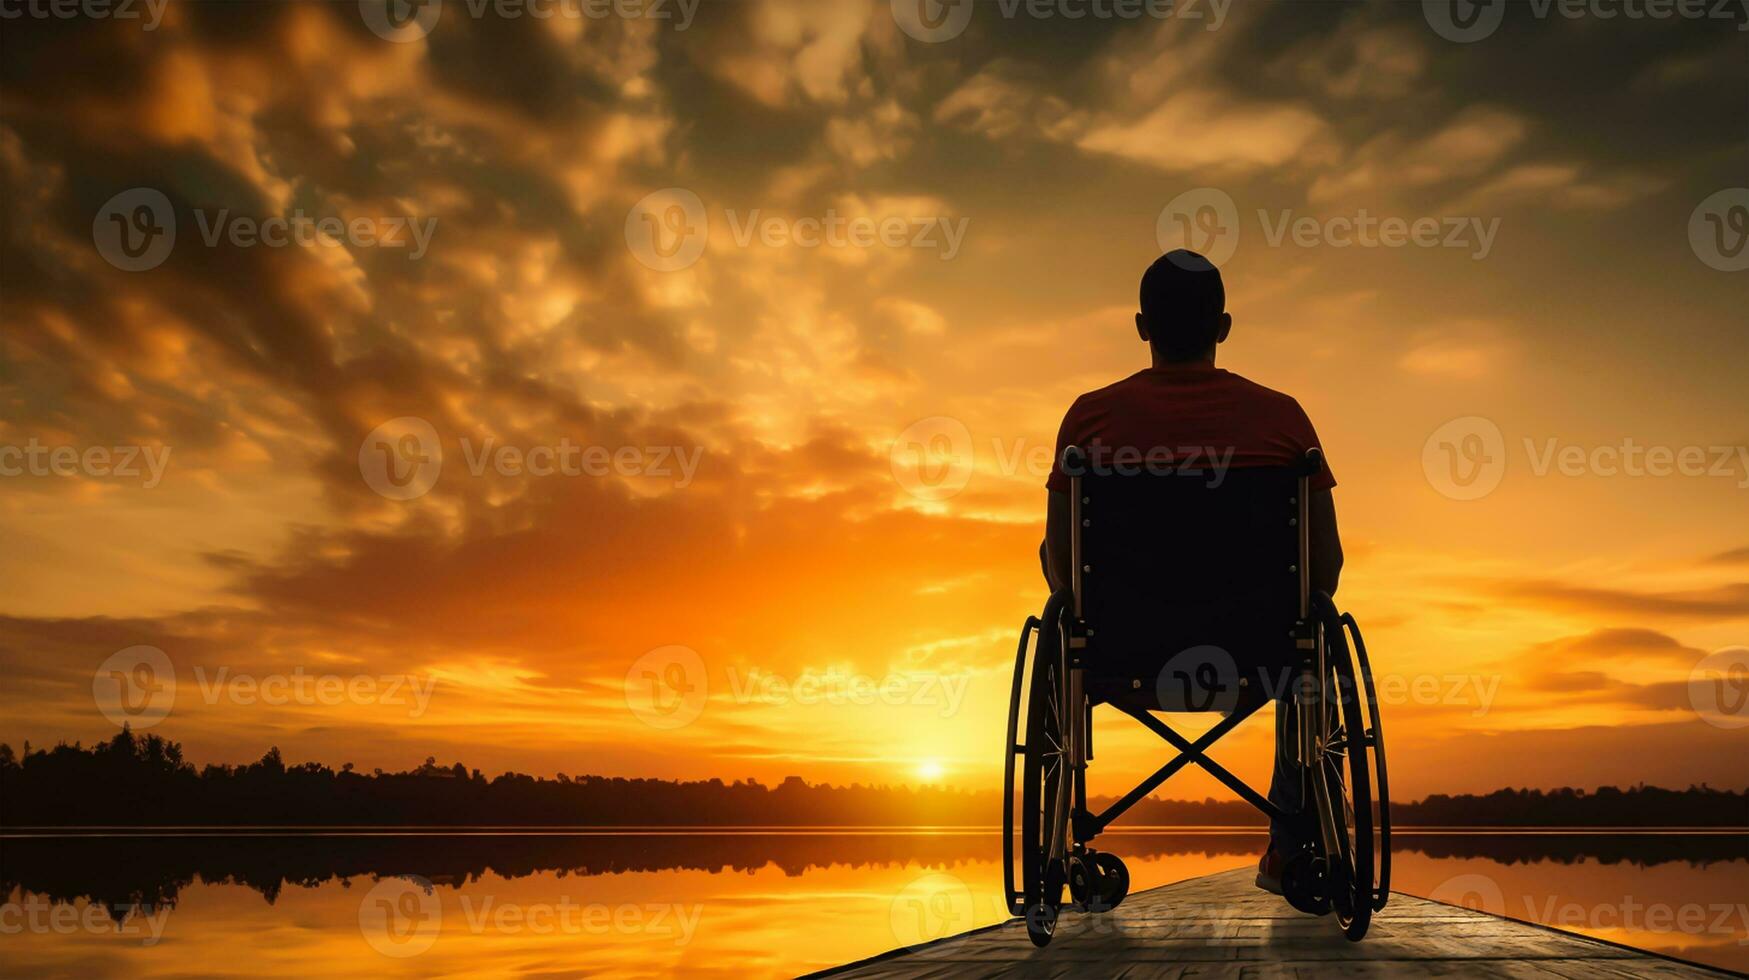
<point x="1074" y="460"/>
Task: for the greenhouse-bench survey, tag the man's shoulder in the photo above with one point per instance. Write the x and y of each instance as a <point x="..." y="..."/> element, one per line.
<point x="1238" y="384"/>
<point x="1261" y="392"/>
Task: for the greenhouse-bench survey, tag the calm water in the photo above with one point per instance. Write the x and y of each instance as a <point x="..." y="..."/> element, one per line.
<point x="747" y="904"/>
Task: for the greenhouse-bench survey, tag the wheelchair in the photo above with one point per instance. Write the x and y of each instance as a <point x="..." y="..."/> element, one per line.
<point x="1192" y="593"/>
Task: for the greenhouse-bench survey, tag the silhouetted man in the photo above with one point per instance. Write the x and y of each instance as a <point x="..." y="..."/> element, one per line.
<point x="1184" y="400"/>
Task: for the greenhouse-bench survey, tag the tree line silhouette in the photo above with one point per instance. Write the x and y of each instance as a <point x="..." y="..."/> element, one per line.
<point x="135" y="781"/>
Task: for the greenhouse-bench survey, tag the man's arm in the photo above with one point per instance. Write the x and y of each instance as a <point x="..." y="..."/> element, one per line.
<point x="1326" y="543"/>
<point x="1054" y="552"/>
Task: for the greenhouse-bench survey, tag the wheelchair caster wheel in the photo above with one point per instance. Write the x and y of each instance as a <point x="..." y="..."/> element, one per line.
<point x="1114" y="880"/>
<point x="1041" y="924"/>
<point x="1084" y="884"/>
<point x="1305" y="883"/>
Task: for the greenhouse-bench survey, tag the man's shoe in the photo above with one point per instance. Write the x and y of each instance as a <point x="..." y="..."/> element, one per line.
<point x="1269" y="870"/>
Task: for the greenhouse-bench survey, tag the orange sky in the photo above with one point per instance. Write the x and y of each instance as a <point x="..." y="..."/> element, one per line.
<point x="766" y="518"/>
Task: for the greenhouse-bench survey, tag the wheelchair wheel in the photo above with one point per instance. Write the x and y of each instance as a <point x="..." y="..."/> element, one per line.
<point x="1381" y="779"/>
<point x="1341" y="782"/>
<point x="1044" y="787"/>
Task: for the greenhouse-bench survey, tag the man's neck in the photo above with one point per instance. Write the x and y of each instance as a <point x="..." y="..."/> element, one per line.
<point x="1206" y="361"/>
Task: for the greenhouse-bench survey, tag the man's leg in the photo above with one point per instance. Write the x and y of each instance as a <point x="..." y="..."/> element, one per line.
<point x="1287" y="794"/>
<point x="1285" y="790"/>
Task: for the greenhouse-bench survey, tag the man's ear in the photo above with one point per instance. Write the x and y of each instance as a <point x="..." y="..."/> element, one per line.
<point x="1226" y="328"/>
<point x="1142" y="328"/>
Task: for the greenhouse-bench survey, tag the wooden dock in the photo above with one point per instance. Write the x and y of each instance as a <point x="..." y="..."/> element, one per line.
<point x="1223" y="926"/>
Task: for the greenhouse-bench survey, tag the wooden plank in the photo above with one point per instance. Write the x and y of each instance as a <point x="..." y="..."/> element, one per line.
<point x="1222" y="927"/>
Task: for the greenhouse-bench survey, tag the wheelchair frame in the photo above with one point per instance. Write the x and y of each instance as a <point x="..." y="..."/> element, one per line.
<point x="1323" y="875"/>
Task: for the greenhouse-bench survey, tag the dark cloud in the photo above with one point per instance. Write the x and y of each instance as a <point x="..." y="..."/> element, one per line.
<point x="1718" y="604"/>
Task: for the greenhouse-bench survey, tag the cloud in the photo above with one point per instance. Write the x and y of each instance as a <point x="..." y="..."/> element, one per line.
<point x="1736" y="556"/>
<point x="1004" y="99"/>
<point x="1465" y="350"/>
<point x="1563" y="185"/>
<point x="1200" y="130"/>
<point x="791" y="52"/>
<point x="1359" y="60"/>
<point x="1467" y="144"/>
<point x="1721" y="603"/>
<point x="1615" y="643"/>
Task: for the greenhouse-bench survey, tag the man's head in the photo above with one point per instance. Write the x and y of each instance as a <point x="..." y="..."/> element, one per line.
<point x="1184" y="305"/>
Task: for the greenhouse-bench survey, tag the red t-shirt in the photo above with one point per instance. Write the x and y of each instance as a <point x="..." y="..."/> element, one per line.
<point x="1187" y="417"/>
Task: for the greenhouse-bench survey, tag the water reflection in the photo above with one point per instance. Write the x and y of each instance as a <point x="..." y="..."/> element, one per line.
<point x="760" y="903"/>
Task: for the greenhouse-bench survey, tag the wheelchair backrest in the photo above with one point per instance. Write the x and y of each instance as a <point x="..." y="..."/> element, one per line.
<point x="1183" y="560"/>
